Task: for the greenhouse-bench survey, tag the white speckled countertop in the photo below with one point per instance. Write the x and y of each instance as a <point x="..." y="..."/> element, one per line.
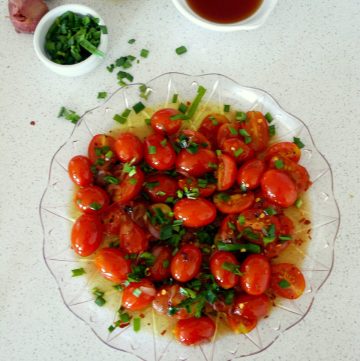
<point x="306" y="56"/>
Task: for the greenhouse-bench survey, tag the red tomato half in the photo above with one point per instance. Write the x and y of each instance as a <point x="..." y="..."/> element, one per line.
<point x="86" y="235"/>
<point x="227" y="131"/>
<point x="237" y="149"/>
<point x="160" y="270"/>
<point x="249" y="174"/>
<point x="112" y="264"/>
<point x="226" y="172"/>
<point x="220" y="263"/>
<point x="185" y="265"/>
<point x="241" y="324"/>
<point x="159" y="153"/>
<point x="129" y="148"/>
<point x="196" y="165"/>
<point x="187" y="136"/>
<point x="91" y="200"/>
<point x="210" y="125"/>
<point x="160" y="187"/>
<point x="256" y="274"/>
<point x="80" y="171"/>
<point x="279" y="188"/>
<point x="285" y="150"/>
<point x="162" y="123"/>
<point x="133" y="238"/>
<point x="111" y="219"/>
<point x="287" y="280"/>
<point x="227" y="232"/>
<point x="235" y="203"/>
<point x="195" y="212"/>
<point x="194" y="330"/>
<point x="101" y="150"/>
<point x="257" y="127"/>
<point x="205" y="189"/>
<point x="138" y="295"/>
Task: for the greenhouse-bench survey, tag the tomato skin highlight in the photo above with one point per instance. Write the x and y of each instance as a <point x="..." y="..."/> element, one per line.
<point x="195" y="212"/>
<point x="235" y="204"/>
<point x="250" y="173"/>
<point x="91" y="200"/>
<point x="285" y="150"/>
<point x="158" y="271"/>
<point x="133" y="238"/>
<point x="166" y="184"/>
<point x="226" y="172"/>
<point x="161" y="121"/>
<point x="223" y="278"/>
<point x="279" y="188"/>
<point x="147" y="293"/>
<point x="129" y="148"/>
<point x="112" y="264"/>
<point x="164" y="156"/>
<point x="292" y="275"/>
<point x="257" y="127"/>
<point x="86" y="235"/>
<point x="186" y="263"/>
<point x="256" y="274"/>
<point x="80" y="170"/>
<point x="196" y="165"/>
<point x="194" y="330"/>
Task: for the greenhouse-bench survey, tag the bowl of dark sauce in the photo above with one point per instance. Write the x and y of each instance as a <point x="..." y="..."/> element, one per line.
<point x="226" y="15"/>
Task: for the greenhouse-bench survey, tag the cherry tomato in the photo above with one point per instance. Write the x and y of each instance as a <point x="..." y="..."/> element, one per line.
<point x="186" y="263"/>
<point x="129" y="148"/>
<point x="101" y="151"/>
<point x="169" y="297"/>
<point x="210" y="125"/>
<point x="91" y="200"/>
<point x="187" y="137"/>
<point x="226" y="172"/>
<point x="234" y="203"/>
<point x="227" y="131"/>
<point x="159" y="153"/>
<point x="295" y="171"/>
<point x="80" y="171"/>
<point x="197" y="164"/>
<point x="279" y="188"/>
<point x="160" y="270"/>
<point x="112" y="264"/>
<point x="129" y="186"/>
<point x="86" y="235"/>
<point x="256" y="274"/>
<point x="205" y="189"/>
<point x="162" y="123"/>
<point x="285" y="150"/>
<point x="138" y="295"/>
<point x="220" y="263"/>
<point x="287" y="280"/>
<point x="249" y="174"/>
<point x="111" y="219"/>
<point x="133" y="238"/>
<point x="257" y="127"/>
<point x="241" y="324"/>
<point x="194" y="330"/>
<point x="195" y="212"/>
<point x="237" y="149"/>
<point x="227" y="231"/>
<point x="160" y="187"/>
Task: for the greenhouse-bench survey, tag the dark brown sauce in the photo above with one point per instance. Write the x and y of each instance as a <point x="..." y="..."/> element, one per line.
<point x="224" y="11"/>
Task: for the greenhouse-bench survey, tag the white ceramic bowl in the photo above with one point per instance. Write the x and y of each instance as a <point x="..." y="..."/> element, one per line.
<point x="42" y="28"/>
<point x="252" y="22"/>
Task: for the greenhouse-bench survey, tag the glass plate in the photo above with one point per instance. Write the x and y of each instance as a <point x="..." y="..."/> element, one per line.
<point x="149" y="344"/>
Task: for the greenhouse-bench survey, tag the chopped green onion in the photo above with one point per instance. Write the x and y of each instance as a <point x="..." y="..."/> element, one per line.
<point x="218" y="152"/>
<point x="229" y="297"/>
<point x="164" y="142"/>
<point x="212" y="165"/>
<point x="104" y="29"/>
<point x="187" y="292"/>
<point x="137" y="292"/>
<point x="137" y="324"/>
<point x="247" y="247"/>
<point x="192" y="148"/>
<point x="272" y="130"/>
<point x="226" y="108"/>
<point x="110" y="68"/>
<point x="285" y="238"/>
<point x="270" y="211"/>
<point x="144" y="91"/>
<point x="144" y="53"/>
<point x="111" y="180"/>
<point x="102" y="95"/>
<point x="233" y="131"/>
<point x="179" y="117"/>
<point x="95" y="206"/>
<point x="231" y="267"/>
<point x="175" y="98"/>
<point x="181" y="50"/>
<point x="131" y="169"/>
<point x="240" y="116"/>
<point x="241" y="219"/>
<point x="244" y="133"/>
<point x="78" y="272"/>
<point x="68" y="115"/>
<point x="194" y="105"/>
<point x="138" y="107"/>
<point x="223" y="197"/>
<point x="298" y="142"/>
<point x="279" y="164"/>
<point x="147" y="121"/>
<point x="298" y="203"/>
<point x="270" y="235"/>
<point x="238" y="151"/>
<point x="231" y="226"/>
<point x="166" y="263"/>
<point x="284" y="283"/>
<point x="161" y="193"/>
<point x="182" y="108"/>
<point x="269" y="117"/>
<point x="133" y="181"/>
<point x="152" y="149"/>
<point x="131" y="41"/>
<point x="151" y="185"/>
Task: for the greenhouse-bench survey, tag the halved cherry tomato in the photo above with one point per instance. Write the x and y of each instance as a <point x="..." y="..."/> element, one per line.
<point x="227" y="230"/>
<point x="256" y="274"/>
<point x="224" y="266"/>
<point x="279" y="188"/>
<point x="133" y="239"/>
<point x="129" y="148"/>
<point x="233" y="203"/>
<point x="287" y="280"/>
<point x="195" y="212"/>
<point x="237" y="149"/>
<point x="241" y="324"/>
<point x="257" y="127"/>
<point x="159" y="153"/>
<point x="249" y="174"/>
<point x="160" y="187"/>
<point x="101" y="151"/>
<point x="169" y="297"/>
<point x="210" y="126"/>
<point x="194" y="330"/>
<point x="91" y="200"/>
<point x="227" y="131"/>
<point x="111" y="219"/>
<point x="162" y="123"/>
<point x="188" y="136"/>
<point x="197" y="164"/>
<point x="80" y="170"/>
<point x="138" y="295"/>
<point x="295" y="171"/>
<point x="112" y="264"/>
<point x="285" y="150"/>
<point x="205" y="189"/>
<point x="186" y="263"/>
<point x="129" y="187"/>
<point x="226" y="172"/>
<point x="160" y="270"/>
<point x="86" y="235"/>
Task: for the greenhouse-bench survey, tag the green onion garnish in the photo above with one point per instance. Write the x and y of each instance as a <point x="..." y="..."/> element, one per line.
<point x="102" y="95"/>
<point x="68" y="115"/>
<point x="240" y="116"/>
<point x="226" y="108"/>
<point x="138" y="107"/>
<point x="137" y="324"/>
<point x="279" y="164"/>
<point x="194" y="105"/>
<point x="144" y="53"/>
<point x="298" y="142"/>
<point x="247" y="247"/>
<point x="284" y="283"/>
<point x="238" y="152"/>
<point x="78" y="272"/>
<point x="182" y="108"/>
<point x="298" y="203"/>
<point x="131" y="41"/>
<point x="147" y="121"/>
<point x="111" y="180"/>
<point x="272" y="130"/>
<point x="181" y="50"/>
<point x="152" y="149"/>
<point x="175" y="98"/>
<point x="269" y="117"/>
<point x="137" y="292"/>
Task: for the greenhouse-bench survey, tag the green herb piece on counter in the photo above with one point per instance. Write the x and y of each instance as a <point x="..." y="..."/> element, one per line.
<point x="298" y="142"/>
<point x="131" y="41"/>
<point x="137" y="324"/>
<point x="122" y="76"/>
<point x="68" y="115"/>
<point x="102" y="95"/>
<point x="138" y="107"/>
<point x="144" y="53"/>
<point x="181" y="50"/>
<point x="78" y="272"/>
<point x="95" y="206"/>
